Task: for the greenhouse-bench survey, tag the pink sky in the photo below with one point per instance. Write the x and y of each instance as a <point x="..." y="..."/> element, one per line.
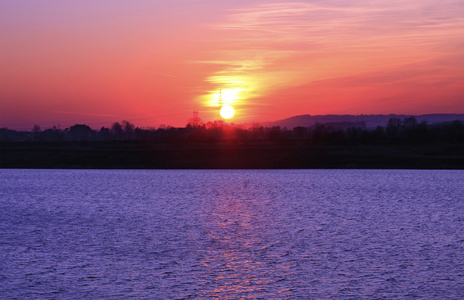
<point x="154" y="62"/>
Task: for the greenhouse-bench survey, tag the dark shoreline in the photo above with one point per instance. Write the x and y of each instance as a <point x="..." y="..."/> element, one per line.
<point x="152" y="155"/>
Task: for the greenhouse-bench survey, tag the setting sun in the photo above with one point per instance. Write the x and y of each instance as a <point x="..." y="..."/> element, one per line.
<point x="227" y="112"/>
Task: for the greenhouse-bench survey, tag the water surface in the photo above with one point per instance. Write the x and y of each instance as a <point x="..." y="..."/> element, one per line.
<point x="281" y="234"/>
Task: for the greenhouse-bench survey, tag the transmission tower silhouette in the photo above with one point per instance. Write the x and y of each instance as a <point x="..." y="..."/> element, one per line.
<point x="219" y="106"/>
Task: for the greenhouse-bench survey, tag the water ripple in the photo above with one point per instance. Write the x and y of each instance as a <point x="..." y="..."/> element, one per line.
<point x="281" y="234"/>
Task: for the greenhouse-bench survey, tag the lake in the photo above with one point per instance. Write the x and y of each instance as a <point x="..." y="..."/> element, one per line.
<point x="229" y="234"/>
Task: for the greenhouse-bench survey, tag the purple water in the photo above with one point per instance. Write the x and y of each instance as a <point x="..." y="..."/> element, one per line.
<point x="255" y="234"/>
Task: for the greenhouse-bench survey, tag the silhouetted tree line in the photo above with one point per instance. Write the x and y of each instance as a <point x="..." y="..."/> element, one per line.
<point x="396" y="132"/>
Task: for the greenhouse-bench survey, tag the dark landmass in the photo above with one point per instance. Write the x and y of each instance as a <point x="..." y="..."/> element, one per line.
<point x="368" y="121"/>
<point x="137" y="155"/>
<point x="402" y="144"/>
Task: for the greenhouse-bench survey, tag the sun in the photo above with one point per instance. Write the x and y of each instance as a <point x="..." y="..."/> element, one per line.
<point x="227" y="112"/>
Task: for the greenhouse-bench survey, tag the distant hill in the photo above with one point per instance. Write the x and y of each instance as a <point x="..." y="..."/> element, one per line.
<point x="370" y="121"/>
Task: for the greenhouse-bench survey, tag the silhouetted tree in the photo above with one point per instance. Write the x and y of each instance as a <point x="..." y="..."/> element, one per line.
<point x="300" y="132"/>
<point x="275" y="133"/>
<point x="319" y="135"/>
<point x="104" y="133"/>
<point x="128" y="129"/>
<point x="80" y="132"/>
<point x="36" y="129"/>
<point x="52" y="134"/>
<point x="378" y="135"/>
<point x="393" y="126"/>
<point x="116" y="130"/>
<point x="355" y="135"/>
<point x="8" y="135"/>
<point x="409" y="122"/>
<point x="406" y="131"/>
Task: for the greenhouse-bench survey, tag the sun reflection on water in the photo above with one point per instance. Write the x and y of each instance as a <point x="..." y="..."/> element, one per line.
<point x="240" y="260"/>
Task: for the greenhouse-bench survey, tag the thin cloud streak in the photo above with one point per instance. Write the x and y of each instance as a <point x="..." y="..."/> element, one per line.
<point x="280" y="45"/>
<point x="84" y="114"/>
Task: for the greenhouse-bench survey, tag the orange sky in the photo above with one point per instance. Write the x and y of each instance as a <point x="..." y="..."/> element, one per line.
<point x="152" y="62"/>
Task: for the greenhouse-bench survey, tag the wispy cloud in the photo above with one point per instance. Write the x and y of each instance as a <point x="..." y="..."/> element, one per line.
<point x="83" y="114"/>
<point x="274" y="45"/>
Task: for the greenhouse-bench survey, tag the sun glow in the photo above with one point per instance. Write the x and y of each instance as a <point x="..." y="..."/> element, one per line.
<point x="229" y="96"/>
<point x="227" y="112"/>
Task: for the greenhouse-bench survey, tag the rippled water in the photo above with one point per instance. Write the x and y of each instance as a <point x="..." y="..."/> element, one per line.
<point x="280" y="234"/>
